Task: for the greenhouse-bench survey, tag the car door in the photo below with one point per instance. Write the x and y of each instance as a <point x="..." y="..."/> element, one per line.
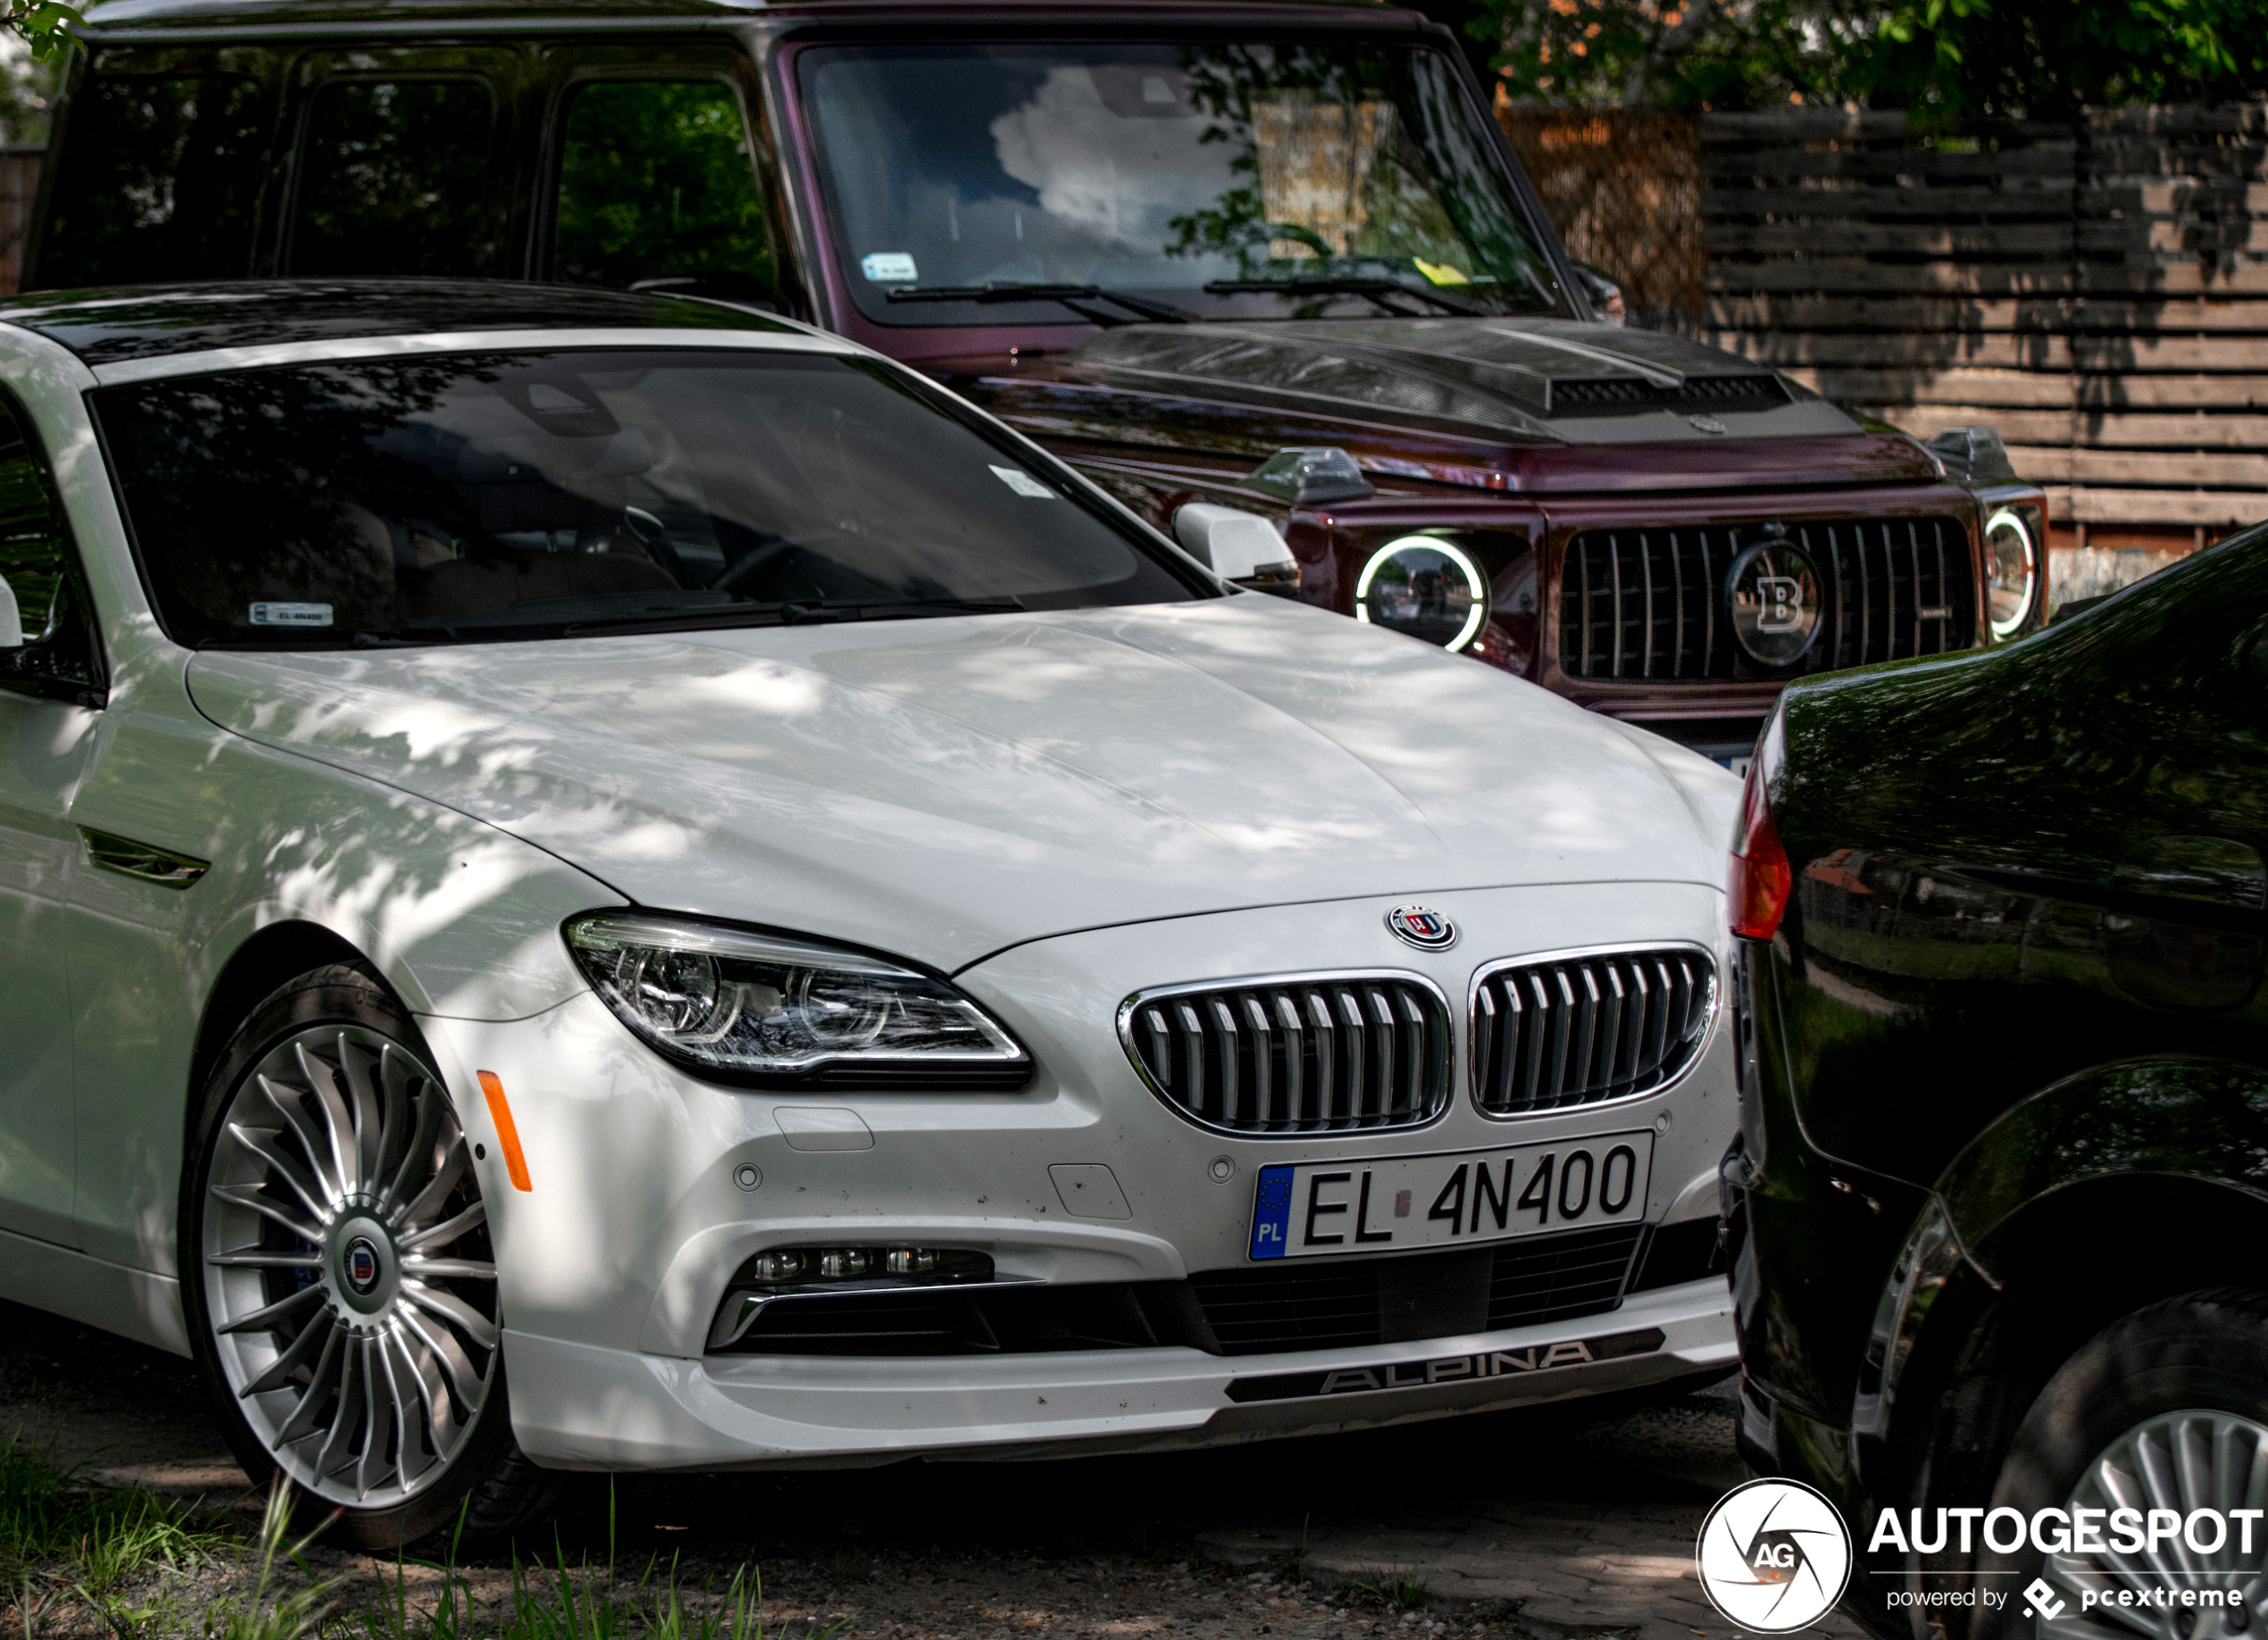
<point x="50" y="699"/>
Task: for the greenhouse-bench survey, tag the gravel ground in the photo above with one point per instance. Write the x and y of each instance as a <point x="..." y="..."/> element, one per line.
<point x="1553" y="1524"/>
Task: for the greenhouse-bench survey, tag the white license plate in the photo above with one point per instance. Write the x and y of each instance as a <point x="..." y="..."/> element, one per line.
<point x="1313" y="1209"/>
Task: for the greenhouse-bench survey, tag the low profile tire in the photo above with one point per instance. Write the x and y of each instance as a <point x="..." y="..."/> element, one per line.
<point x="2167" y="1408"/>
<point x="338" y="1277"/>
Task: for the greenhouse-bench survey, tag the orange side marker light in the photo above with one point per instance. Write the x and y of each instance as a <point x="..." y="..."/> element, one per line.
<point x="507" y="1135"/>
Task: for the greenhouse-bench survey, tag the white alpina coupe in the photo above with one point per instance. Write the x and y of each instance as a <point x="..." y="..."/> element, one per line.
<point x="595" y="882"/>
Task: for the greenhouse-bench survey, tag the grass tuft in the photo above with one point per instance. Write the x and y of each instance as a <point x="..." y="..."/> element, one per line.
<point x="1403" y="1589"/>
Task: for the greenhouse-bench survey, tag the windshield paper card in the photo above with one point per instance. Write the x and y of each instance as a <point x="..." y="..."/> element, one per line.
<point x="890" y="267"/>
<point x="1017" y="479"/>
<point x="1310" y="1209"/>
<point x="291" y="615"/>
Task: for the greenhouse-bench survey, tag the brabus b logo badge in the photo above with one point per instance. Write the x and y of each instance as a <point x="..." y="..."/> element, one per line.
<point x="1423" y="927"/>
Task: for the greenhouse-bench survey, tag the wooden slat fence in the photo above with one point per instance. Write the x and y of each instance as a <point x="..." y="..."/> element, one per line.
<point x="2098" y="291"/>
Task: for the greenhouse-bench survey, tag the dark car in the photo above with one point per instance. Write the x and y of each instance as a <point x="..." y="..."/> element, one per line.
<point x="1273" y="258"/>
<point x="2001" y="1196"/>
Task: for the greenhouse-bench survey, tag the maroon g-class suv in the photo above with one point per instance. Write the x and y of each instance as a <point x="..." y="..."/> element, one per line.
<point x="1231" y="259"/>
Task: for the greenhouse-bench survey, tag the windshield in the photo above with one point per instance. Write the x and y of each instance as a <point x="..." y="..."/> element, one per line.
<point x="487" y="497"/>
<point x="1203" y="181"/>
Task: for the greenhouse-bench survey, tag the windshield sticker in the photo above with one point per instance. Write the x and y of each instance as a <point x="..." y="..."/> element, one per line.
<point x="1017" y="479"/>
<point x="895" y="267"/>
<point x="291" y="615"/>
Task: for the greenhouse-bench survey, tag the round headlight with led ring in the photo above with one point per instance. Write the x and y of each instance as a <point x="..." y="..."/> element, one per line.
<point x="759" y="1008"/>
<point x="2011" y="570"/>
<point x="1424" y="588"/>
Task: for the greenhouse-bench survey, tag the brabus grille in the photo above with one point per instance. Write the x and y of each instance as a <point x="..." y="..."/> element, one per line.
<point x="1330" y="1054"/>
<point x="1650" y="602"/>
<point x="1582" y="1029"/>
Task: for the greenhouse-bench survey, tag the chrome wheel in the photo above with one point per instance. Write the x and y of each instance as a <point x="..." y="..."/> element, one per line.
<point x="348" y="1277"/>
<point x="2180" y="1461"/>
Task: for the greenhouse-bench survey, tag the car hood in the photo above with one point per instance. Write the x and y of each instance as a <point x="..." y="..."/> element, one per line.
<point x="946" y="789"/>
<point x="1540" y="380"/>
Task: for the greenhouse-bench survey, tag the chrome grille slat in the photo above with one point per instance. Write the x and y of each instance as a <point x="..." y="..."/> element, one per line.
<point x="1620" y="619"/>
<point x="1553" y="1032"/>
<point x="1330" y="1054"/>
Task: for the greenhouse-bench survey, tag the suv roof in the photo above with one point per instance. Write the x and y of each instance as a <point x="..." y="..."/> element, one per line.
<point x="127" y="18"/>
<point x="149" y="321"/>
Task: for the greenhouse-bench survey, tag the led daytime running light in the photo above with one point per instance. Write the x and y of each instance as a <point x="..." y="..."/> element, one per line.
<point x="1476" y="585"/>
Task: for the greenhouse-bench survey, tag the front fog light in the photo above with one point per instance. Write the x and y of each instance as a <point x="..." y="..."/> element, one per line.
<point x="756" y="1008"/>
<point x="784" y="1266"/>
<point x="911" y="1261"/>
<point x="837" y="1262"/>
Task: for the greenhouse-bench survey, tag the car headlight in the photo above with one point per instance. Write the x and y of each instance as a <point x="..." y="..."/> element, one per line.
<point x="2011" y="567"/>
<point x="756" y="1008"/>
<point x="1425" y="587"/>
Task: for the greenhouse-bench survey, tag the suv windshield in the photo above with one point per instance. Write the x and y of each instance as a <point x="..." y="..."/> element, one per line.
<point x="484" y="496"/>
<point x="1205" y="181"/>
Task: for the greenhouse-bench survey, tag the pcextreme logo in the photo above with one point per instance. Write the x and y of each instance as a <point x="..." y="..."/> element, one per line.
<point x="1773" y="1556"/>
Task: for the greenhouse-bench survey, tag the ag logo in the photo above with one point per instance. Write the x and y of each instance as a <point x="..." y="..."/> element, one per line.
<point x="1773" y="1556"/>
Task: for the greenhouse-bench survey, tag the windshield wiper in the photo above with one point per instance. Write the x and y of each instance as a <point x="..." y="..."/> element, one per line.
<point x="1375" y="289"/>
<point x="1070" y="295"/>
<point x="805" y="613"/>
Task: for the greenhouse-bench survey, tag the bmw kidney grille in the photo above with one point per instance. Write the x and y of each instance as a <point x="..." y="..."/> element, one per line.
<point x="1583" y="1029"/>
<point x="1330" y="1054"/>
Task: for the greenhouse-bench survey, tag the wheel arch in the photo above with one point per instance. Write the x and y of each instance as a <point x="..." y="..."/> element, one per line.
<point x="2108" y="1192"/>
<point x="269" y="959"/>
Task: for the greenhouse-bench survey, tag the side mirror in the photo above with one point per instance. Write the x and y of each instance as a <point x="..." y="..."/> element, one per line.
<point x="1239" y="547"/>
<point x="1605" y="295"/>
<point x="11" y="619"/>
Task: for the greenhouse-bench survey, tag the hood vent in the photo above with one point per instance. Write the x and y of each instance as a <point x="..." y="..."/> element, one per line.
<point x="1625" y="395"/>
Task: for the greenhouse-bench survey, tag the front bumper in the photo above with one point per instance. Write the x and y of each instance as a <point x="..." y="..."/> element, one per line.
<point x="650" y="1189"/>
<point x="583" y="1407"/>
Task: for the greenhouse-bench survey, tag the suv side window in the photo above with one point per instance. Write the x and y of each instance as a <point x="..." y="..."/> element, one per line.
<point x="159" y="181"/>
<point x="656" y="182"/>
<point x="394" y="179"/>
<point x="61" y="655"/>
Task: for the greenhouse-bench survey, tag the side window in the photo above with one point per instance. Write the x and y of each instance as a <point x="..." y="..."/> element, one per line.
<point x="35" y="559"/>
<point x="394" y="179"/>
<point x="158" y="182"/>
<point x="656" y="182"/>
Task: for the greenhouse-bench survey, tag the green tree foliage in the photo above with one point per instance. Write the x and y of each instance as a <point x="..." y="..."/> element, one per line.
<point x="656" y="182"/>
<point x="39" y="24"/>
<point x="2037" y="59"/>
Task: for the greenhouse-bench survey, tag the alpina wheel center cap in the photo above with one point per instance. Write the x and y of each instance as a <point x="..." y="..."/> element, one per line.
<point x="364" y="1266"/>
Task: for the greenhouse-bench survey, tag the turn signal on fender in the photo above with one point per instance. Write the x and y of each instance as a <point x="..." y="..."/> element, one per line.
<point x="1758" y="885"/>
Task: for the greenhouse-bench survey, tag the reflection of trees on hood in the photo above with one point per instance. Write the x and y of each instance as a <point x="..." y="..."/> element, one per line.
<point x="260" y="486"/>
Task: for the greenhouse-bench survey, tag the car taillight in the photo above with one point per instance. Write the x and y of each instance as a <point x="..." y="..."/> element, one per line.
<point x="1758" y="885"/>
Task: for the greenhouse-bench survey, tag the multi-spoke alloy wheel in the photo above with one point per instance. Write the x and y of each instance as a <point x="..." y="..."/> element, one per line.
<point x="349" y="1287"/>
<point x="2183" y="1462"/>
